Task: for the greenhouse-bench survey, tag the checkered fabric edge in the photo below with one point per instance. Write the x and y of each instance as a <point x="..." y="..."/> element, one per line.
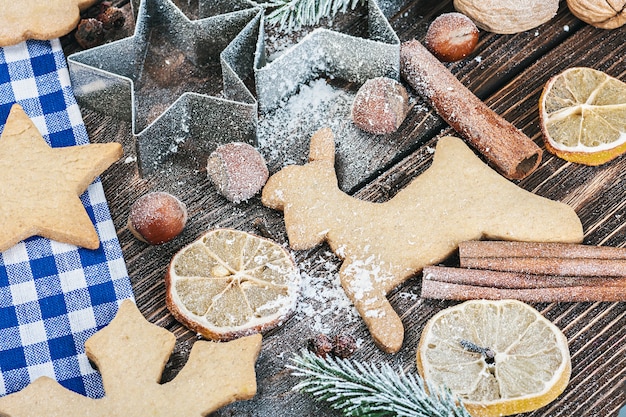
<point x="53" y="296"/>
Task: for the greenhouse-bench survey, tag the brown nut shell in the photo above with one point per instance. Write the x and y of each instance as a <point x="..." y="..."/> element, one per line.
<point x="603" y="14"/>
<point x="237" y="170"/>
<point x="157" y="218"/>
<point x="451" y="37"/>
<point x="380" y="106"/>
<point x="508" y="16"/>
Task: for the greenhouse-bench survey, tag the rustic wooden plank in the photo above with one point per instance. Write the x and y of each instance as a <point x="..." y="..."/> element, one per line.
<point x="509" y="75"/>
<point x="598" y="194"/>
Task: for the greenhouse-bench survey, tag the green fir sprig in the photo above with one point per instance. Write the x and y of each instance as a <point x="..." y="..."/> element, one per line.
<point x="296" y="13"/>
<point x="361" y="389"/>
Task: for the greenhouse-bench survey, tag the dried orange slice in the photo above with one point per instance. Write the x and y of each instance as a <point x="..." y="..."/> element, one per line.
<point x="229" y="284"/>
<point x="499" y="357"/>
<point x="582" y="113"/>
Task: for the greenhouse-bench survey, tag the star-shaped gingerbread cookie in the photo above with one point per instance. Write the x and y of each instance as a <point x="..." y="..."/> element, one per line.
<point x="35" y="19"/>
<point x="131" y="354"/>
<point x="40" y="186"/>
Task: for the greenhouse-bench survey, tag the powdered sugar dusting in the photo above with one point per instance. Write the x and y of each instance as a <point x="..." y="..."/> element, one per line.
<point x="323" y="302"/>
<point x="283" y="134"/>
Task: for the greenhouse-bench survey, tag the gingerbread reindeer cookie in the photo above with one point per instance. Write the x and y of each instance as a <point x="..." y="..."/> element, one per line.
<point x="458" y="198"/>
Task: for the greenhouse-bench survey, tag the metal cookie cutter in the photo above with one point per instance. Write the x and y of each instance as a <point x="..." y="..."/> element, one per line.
<point x="331" y="53"/>
<point x="207" y="8"/>
<point x="180" y="82"/>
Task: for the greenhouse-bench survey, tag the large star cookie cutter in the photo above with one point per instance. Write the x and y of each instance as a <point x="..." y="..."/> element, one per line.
<point x="146" y="79"/>
<point x="325" y="52"/>
<point x="109" y="78"/>
<point x="207" y="8"/>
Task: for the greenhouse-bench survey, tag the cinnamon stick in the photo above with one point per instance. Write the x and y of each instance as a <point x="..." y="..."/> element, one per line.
<point x="544" y="258"/>
<point x="511" y="152"/>
<point x="465" y="284"/>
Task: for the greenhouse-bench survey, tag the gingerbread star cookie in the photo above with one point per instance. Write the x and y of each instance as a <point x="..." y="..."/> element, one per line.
<point x="131" y="354"/>
<point x="458" y="198"/>
<point x="40" y="186"/>
<point x="37" y="19"/>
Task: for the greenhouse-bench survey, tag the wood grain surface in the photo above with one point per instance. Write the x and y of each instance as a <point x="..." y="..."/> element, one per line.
<point x="506" y="71"/>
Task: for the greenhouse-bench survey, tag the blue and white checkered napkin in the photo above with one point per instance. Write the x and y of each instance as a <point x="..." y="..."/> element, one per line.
<point x="53" y="296"/>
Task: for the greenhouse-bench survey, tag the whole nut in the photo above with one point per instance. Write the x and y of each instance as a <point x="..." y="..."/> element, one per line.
<point x="157" y="218"/>
<point x="237" y="170"/>
<point x="508" y="16"/>
<point x="451" y="37"/>
<point x="380" y="106"/>
<point x="604" y="14"/>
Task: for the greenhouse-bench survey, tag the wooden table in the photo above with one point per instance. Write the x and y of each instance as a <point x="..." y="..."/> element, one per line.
<point x="506" y="71"/>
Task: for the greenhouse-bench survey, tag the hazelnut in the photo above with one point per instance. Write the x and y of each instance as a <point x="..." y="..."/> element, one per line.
<point x="157" y="218"/>
<point x="380" y="106"/>
<point x="451" y="37"/>
<point x="237" y="170"/>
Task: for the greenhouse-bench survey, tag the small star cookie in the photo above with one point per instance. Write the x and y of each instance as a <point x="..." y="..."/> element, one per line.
<point x="36" y="19"/>
<point x="131" y="354"/>
<point x="40" y="186"/>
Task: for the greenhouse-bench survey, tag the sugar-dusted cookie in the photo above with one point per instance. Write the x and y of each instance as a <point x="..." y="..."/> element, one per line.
<point x="40" y="186"/>
<point x="36" y="19"/>
<point x="458" y="198"/>
<point x="131" y="354"/>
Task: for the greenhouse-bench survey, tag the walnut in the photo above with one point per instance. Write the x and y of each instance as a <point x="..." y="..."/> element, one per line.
<point x="507" y="16"/>
<point x="604" y="14"/>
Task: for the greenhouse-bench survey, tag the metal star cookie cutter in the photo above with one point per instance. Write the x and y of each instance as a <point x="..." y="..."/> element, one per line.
<point x="390" y="7"/>
<point x="331" y="53"/>
<point x="183" y="125"/>
<point x="208" y="8"/>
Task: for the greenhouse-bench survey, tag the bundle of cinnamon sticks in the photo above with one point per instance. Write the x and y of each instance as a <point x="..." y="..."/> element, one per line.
<point x="532" y="272"/>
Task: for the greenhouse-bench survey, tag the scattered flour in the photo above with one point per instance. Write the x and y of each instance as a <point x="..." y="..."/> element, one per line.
<point x="283" y="135"/>
<point x="323" y="302"/>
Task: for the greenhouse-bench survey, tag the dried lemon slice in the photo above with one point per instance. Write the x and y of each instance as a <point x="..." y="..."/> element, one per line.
<point x="500" y="357"/>
<point x="230" y="283"/>
<point x="582" y="113"/>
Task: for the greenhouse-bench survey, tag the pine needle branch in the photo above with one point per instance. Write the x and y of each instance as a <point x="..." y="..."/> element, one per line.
<point x="291" y="14"/>
<point x="363" y="390"/>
